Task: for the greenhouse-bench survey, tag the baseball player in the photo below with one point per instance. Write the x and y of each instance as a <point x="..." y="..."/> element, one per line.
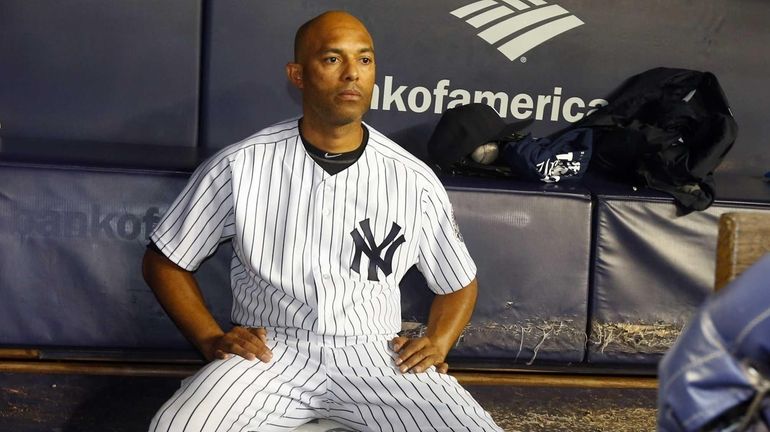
<point x="325" y="215"/>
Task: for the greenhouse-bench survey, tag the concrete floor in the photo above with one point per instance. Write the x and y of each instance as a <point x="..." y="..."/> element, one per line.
<point x="86" y="403"/>
<point x="537" y="409"/>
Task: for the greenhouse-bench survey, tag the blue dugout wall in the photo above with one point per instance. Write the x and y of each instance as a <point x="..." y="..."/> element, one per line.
<point x="134" y="71"/>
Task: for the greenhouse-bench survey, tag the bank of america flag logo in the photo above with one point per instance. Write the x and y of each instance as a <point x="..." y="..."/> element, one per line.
<point x="520" y="25"/>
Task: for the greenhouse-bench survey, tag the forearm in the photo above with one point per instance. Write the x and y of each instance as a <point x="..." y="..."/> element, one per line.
<point x="177" y="291"/>
<point x="449" y="314"/>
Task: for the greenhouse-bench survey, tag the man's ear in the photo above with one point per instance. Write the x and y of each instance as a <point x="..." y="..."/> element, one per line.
<point x="294" y="73"/>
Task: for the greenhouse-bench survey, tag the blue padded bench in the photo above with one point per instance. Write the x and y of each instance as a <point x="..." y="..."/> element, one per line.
<point x="532" y="244"/>
<point x="76" y="217"/>
<point x="653" y="268"/>
<point x="77" y="223"/>
<point x="568" y="277"/>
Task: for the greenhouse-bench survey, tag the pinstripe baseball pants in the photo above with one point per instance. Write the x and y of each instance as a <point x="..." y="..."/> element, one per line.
<point x="352" y="380"/>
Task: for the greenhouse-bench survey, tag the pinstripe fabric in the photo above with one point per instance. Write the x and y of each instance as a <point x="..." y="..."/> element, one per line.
<point x="317" y="260"/>
<point x="351" y="380"/>
<point x="296" y="262"/>
<point x="363" y="376"/>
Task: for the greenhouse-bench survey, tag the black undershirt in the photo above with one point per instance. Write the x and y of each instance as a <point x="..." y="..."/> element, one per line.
<point x="333" y="163"/>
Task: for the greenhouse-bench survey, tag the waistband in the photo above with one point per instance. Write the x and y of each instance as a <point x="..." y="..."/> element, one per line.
<point x="293" y="334"/>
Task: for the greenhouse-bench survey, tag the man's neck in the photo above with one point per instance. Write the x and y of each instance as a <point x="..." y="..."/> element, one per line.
<point x="332" y="139"/>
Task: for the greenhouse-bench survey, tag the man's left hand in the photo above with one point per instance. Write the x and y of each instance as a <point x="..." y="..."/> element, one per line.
<point x="418" y="354"/>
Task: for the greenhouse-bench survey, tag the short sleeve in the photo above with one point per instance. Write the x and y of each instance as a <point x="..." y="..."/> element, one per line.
<point x="200" y="218"/>
<point x="443" y="258"/>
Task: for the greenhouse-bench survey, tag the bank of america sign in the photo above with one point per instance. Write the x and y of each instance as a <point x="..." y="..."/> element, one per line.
<point x="517" y="25"/>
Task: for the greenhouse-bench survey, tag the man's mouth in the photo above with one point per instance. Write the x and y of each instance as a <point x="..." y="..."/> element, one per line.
<point x="350" y="94"/>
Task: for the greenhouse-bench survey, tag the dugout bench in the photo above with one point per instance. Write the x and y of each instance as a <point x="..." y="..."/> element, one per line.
<point x="581" y="284"/>
<point x="587" y="275"/>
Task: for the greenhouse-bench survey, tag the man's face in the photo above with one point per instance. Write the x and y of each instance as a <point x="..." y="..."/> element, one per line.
<point x="336" y="70"/>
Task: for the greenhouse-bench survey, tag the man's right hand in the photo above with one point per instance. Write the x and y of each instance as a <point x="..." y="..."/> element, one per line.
<point x="179" y="294"/>
<point x="249" y="343"/>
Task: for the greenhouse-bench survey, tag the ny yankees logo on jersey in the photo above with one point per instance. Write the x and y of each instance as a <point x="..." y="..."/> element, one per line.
<point x="373" y="250"/>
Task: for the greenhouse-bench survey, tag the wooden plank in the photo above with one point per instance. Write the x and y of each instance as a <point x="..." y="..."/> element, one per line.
<point x="517" y="379"/>
<point x="520" y="379"/>
<point x="94" y="368"/>
<point x="742" y="240"/>
<point x="19" y="353"/>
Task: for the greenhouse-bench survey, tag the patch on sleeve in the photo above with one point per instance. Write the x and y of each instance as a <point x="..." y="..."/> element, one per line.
<point x="455" y="227"/>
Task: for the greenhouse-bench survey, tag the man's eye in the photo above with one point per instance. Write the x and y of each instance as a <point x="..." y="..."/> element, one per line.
<point x="332" y="60"/>
<point x="366" y="60"/>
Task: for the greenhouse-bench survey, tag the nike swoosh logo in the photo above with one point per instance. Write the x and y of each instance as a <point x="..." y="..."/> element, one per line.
<point x="332" y="156"/>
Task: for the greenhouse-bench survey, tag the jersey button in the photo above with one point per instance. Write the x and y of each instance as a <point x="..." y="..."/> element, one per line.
<point x="326" y="276"/>
<point x="325" y="212"/>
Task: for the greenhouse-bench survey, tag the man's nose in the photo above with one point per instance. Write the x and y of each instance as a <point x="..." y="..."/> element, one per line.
<point x="350" y="73"/>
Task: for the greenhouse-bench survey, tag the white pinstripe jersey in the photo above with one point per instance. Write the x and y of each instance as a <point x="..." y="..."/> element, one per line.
<point x="314" y="251"/>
